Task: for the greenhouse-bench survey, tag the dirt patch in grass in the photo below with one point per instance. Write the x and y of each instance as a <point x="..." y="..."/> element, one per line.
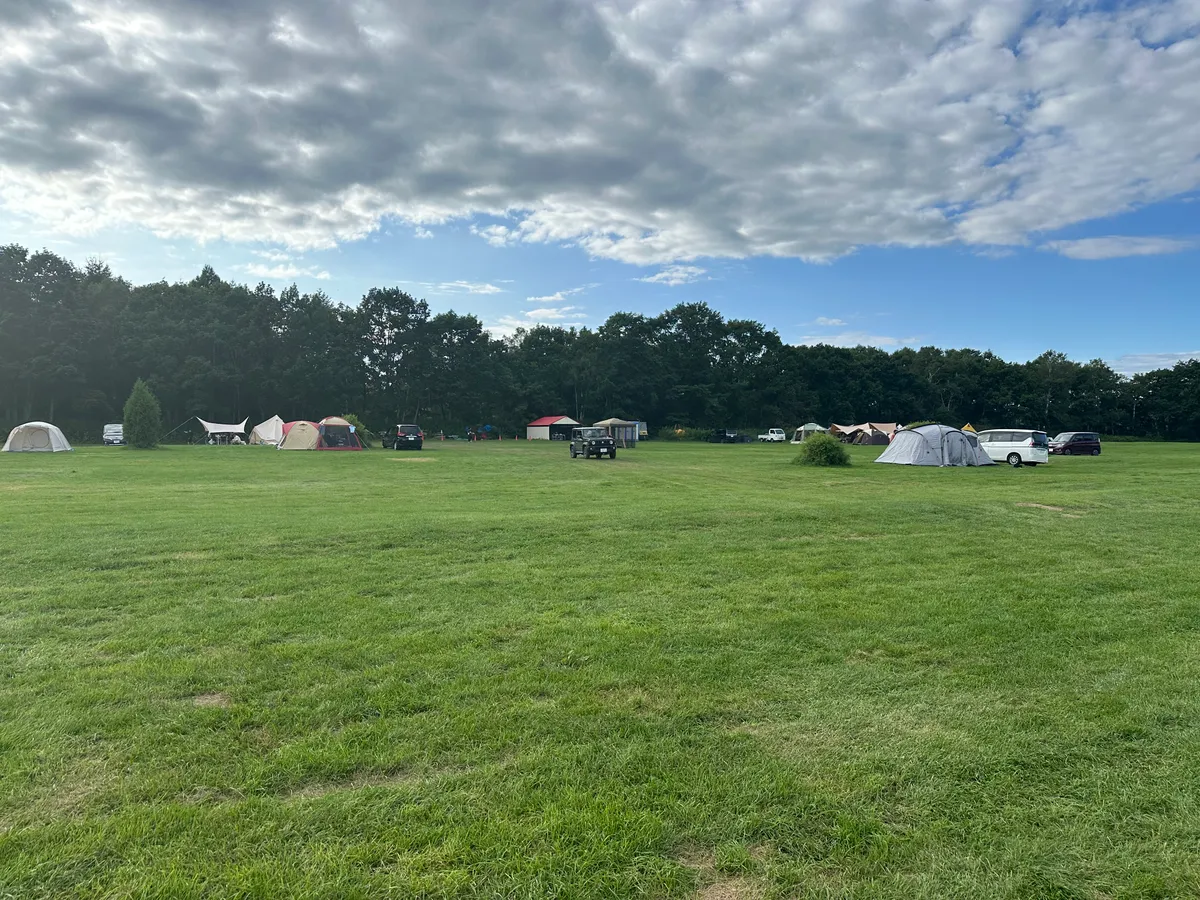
<point x="411" y="458"/>
<point x="715" y="885"/>
<point x="218" y="700"/>
<point x="730" y="889"/>
<point x="1041" y="506"/>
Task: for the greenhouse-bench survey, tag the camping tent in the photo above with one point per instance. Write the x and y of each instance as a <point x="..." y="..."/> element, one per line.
<point x="934" y="445"/>
<point x="550" y="428"/>
<point x="337" y="434"/>
<point x="301" y="435"/>
<point x="36" y="437"/>
<point x="622" y="430"/>
<point x="870" y="435"/>
<point x="805" y="431"/>
<point x="268" y="432"/>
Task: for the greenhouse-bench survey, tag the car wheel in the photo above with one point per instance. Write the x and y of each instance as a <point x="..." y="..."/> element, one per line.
<point x="1095" y="453"/>
<point x="572" y="451"/>
<point x="1014" y="459"/>
<point x="1066" y="451"/>
<point x="612" y="454"/>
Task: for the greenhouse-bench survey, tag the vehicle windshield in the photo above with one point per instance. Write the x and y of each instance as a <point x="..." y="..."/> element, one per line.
<point x="408" y="429"/>
<point x="592" y="433"/>
<point x="1064" y="436"/>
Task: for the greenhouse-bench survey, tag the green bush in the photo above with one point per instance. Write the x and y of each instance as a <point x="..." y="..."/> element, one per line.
<point x="822" y="450"/>
<point x="364" y="434"/>
<point x="143" y="418"/>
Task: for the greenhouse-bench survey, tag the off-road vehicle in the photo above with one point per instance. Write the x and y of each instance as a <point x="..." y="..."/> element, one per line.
<point x="589" y="442"/>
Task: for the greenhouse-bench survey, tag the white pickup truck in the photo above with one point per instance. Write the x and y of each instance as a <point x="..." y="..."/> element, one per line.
<point x="773" y="436"/>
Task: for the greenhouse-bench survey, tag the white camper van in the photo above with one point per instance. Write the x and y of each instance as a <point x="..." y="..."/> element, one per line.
<point x="1016" y="446"/>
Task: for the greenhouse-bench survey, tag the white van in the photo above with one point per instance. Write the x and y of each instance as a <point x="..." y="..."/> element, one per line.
<point x="1016" y="446"/>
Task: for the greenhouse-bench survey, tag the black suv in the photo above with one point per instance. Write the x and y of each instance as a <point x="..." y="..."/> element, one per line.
<point x="729" y="436"/>
<point x="597" y="442"/>
<point x="402" y="437"/>
<point x="1076" y="443"/>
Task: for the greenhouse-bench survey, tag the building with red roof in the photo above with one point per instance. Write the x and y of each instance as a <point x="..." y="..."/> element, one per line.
<point x="550" y="428"/>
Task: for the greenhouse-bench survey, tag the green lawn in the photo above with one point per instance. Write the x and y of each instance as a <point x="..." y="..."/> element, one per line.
<point x="494" y="671"/>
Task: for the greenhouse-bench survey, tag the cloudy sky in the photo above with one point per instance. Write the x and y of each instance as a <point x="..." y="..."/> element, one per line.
<point x="1007" y="175"/>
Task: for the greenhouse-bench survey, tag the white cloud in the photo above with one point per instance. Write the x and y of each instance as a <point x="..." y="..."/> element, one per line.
<point x="277" y="256"/>
<point x="560" y="296"/>
<point x="674" y="276"/>
<point x="859" y="339"/>
<point x="1134" y="363"/>
<point x="284" y="271"/>
<point x="652" y="132"/>
<point x="460" y="287"/>
<point x="831" y="323"/>
<point x="1118" y="246"/>
<point x="554" y="313"/>
<point x="422" y="234"/>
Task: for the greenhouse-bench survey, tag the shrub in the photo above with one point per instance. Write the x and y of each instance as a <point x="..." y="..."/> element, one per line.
<point x="143" y="418"/>
<point x="822" y="450"/>
<point x="364" y="434"/>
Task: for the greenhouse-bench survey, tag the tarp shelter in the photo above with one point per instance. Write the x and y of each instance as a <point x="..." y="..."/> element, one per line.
<point x="36" y="437"/>
<point x="550" y="428"/>
<point x="337" y="434"/>
<point x="214" y="428"/>
<point x="268" y="432"/>
<point x="934" y="445"/>
<point x="300" y="435"/>
<point x="807" y="430"/>
<point x="623" y="431"/>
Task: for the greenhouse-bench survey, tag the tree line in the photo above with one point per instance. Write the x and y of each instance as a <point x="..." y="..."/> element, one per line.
<point x="74" y="340"/>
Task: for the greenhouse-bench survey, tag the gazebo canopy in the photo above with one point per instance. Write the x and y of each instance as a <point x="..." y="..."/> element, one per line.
<point x="614" y="421"/>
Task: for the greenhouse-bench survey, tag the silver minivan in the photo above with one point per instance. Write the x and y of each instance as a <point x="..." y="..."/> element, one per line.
<point x="1016" y="446"/>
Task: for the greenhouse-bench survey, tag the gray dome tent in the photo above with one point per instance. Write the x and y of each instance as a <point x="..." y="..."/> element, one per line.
<point x="803" y="432"/>
<point x="934" y="445"/>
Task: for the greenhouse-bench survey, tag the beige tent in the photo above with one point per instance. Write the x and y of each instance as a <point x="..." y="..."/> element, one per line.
<point x="807" y="430"/>
<point x="622" y="430"/>
<point x="268" y="432"/>
<point x="33" y="437"/>
<point x="300" y="435"/>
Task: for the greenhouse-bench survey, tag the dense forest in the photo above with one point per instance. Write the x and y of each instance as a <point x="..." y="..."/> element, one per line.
<point x="73" y="341"/>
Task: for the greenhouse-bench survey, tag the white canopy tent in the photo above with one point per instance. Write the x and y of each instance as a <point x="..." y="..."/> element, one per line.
<point x="268" y="432"/>
<point x="36" y="437"/>
<point x="217" y="428"/>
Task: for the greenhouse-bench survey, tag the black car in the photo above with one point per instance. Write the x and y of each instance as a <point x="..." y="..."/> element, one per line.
<point x="729" y="436"/>
<point x="1076" y="443"/>
<point x="403" y="437"/>
<point x="589" y="442"/>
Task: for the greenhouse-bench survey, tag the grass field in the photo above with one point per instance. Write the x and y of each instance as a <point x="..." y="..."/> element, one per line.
<point x="493" y="671"/>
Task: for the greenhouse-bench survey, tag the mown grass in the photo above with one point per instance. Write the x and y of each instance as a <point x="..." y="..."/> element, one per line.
<point x="498" y="672"/>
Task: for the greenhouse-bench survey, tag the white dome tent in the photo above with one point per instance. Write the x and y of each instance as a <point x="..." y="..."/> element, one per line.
<point x="934" y="445"/>
<point x="268" y="432"/>
<point x="36" y="437"/>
